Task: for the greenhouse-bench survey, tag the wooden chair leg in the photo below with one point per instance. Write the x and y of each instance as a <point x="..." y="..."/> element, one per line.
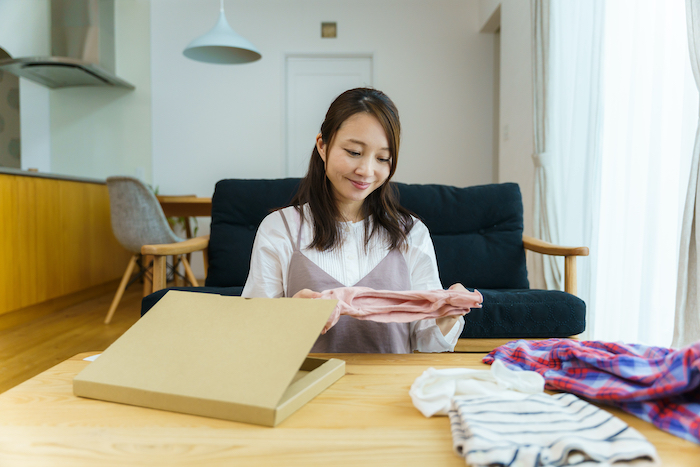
<point x="122" y="286"/>
<point x="205" y="258"/>
<point x="177" y="259"/>
<point x="148" y="276"/>
<point x="189" y="273"/>
<point x="188" y="230"/>
<point x="159" y="273"/>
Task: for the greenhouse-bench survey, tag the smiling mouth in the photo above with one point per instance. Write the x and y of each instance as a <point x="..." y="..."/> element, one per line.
<point x="359" y="185"/>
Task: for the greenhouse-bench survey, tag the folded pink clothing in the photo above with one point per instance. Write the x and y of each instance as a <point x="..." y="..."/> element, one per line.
<point x="388" y="306"/>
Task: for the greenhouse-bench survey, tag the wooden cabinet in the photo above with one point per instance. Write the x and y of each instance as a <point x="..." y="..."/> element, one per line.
<point x="55" y="240"/>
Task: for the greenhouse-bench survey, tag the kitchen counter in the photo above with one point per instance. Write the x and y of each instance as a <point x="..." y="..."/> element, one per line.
<point x="70" y="178"/>
<point x="56" y="240"/>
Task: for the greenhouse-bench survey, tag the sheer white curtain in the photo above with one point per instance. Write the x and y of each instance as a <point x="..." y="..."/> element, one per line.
<point x="576" y="124"/>
<point x="687" y="321"/>
<point x="625" y="109"/>
<point x="648" y="91"/>
<point x="546" y="223"/>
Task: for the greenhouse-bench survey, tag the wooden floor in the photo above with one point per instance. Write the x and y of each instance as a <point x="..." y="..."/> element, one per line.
<point x="28" y="349"/>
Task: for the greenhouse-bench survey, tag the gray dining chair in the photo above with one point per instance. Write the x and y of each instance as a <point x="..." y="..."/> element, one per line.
<point x="138" y="220"/>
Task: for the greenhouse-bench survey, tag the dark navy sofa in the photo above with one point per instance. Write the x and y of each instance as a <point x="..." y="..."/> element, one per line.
<point x="478" y="236"/>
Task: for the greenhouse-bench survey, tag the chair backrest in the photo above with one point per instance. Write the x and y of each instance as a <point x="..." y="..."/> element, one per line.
<point x="237" y="209"/>
<point x="137" y="218"/>
<point x="477" y="231"/>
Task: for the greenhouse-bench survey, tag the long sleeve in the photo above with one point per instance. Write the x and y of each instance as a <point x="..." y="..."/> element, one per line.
<point x="269" y="260"/>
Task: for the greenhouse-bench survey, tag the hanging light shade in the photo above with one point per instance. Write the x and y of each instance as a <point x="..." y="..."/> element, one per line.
<point x="222" y="45"/>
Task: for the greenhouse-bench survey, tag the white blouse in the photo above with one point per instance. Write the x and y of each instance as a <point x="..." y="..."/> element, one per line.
<point x="348" y="264"/>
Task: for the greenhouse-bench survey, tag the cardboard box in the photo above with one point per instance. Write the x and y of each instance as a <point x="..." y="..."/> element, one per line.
<point x="224" y="357"/>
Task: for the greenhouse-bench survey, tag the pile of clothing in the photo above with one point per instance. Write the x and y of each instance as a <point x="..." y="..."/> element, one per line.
<point x="502" y="416"/>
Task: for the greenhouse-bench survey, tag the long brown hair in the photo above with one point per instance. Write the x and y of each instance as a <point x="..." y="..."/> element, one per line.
<point x="316" y="189"/>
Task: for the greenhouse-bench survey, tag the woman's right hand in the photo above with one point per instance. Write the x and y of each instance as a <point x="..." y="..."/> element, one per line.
<point x="307" y="293"/>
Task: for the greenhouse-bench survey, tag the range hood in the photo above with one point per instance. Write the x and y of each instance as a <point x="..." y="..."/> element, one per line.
<point x="82" y="48"/>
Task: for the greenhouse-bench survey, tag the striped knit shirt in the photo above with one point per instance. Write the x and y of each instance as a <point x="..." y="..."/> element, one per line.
<point x="542" y="430"/>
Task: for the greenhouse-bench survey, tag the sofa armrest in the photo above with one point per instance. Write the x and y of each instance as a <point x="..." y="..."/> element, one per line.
<point x="568" y="252"/>
<point x="540" y="246"/>
<point x="161" y="252"/>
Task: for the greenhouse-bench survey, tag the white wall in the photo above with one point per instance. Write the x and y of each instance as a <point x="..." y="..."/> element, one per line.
<point x="24" y="27"/>
<point x="516" y="119"/>
<point x="515" y="113"/>
<point x="98" y="131"/>
<point x="212" y="121"/>
<point x="515" y="140"/>
<point x="84" y="131"/>
<point x="24" y="31"/>
<point x="515" y="96"/>
<point x="489" y="15"/>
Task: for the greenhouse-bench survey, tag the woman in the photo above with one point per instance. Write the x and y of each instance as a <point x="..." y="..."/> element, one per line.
<point x="344" y="228"/>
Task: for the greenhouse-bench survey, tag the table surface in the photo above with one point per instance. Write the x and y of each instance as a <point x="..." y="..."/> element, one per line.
<point x="185" y="206"/>
<point x="365" y="418"/>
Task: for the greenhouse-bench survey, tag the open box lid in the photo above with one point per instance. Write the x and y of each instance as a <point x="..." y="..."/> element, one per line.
<point x="212" y="347"/>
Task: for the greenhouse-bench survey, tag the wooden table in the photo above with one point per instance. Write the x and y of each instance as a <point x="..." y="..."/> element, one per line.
<point x="185" y="206"/>
<point x="365" y="418"/>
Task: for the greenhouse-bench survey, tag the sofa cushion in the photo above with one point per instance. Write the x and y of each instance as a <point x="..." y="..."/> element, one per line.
<point x="238" y="208"/>
<point x="526" y="313"/>
<point x="505" y="313"/>
<point x="477" y="232"/>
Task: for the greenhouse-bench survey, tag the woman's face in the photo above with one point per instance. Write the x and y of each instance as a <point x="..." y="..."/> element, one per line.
<point x="357" y="163"/>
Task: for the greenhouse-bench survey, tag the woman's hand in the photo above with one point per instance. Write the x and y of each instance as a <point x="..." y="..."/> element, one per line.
<point x="307" y="293"/>
<point x="446" y="324"/>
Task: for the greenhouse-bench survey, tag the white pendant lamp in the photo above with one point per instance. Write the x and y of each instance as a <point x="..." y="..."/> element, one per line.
<point x="222" y="45"/>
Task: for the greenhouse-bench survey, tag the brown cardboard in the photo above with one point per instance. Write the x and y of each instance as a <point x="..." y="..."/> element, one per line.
<point x="224" y="357"/>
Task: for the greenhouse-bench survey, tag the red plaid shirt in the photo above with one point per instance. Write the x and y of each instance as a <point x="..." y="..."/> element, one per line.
<point x="659" y="385"/>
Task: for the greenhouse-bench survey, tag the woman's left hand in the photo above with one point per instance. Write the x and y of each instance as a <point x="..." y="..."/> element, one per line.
<point x="446" y="324"/>
<point x="306" y="293"/>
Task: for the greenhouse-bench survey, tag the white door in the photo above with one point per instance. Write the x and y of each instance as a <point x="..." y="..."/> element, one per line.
<point x="313" y="82"/>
